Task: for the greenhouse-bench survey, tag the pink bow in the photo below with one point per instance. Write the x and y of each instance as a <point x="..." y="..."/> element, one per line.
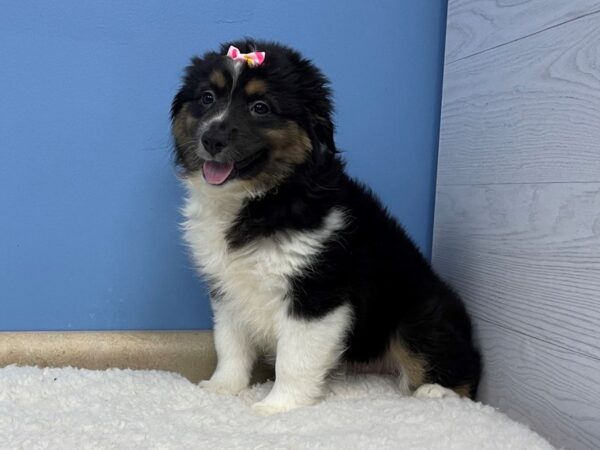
<point x="252" y="59"/>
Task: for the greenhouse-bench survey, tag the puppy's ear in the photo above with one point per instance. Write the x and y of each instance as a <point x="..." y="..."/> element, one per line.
<point x="191" y="74"/>
<point x="322" y="133"/>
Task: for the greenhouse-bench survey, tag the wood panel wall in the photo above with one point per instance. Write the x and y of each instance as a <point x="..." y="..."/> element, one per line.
<point x="517" y="219"/>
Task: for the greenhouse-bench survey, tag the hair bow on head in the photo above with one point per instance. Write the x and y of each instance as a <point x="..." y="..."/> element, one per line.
<point x="252" y="59"/>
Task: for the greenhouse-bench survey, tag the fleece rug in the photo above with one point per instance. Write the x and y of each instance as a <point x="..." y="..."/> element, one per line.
<point x="124" y="409"/>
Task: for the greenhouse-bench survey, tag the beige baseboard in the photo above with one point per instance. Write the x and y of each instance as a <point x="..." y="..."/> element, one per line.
<point x="190" y="353"/>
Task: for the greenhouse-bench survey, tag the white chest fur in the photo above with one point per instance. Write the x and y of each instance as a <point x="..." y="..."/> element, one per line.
<point x="253" y="281"/>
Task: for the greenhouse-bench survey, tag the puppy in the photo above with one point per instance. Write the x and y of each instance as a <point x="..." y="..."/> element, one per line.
<point x="303" y="262"/>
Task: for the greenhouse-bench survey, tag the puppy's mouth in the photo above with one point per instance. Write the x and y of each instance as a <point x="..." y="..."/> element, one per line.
<point x="217" y="173"/>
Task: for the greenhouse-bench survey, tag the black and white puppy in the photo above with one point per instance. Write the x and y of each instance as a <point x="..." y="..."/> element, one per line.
<point x="303" y="262"/>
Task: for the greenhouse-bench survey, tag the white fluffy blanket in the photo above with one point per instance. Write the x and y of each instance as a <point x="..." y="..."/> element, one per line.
<point x="124" y="409"/>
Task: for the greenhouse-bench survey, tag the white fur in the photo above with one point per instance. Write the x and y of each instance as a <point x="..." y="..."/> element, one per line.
<point x="252" y="311"/>
<point x="307" y="351"/>
<point x="236" y="68"/>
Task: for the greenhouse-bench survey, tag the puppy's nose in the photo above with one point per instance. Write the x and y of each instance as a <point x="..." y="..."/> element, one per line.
<point x="215" y="140"/>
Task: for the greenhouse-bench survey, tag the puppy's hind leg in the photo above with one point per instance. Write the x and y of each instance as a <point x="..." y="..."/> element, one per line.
<point x="411" y="368"/>
<point x="306" y="352"/>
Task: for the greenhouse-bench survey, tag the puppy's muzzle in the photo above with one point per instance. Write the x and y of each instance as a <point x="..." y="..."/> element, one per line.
<point x="216" y="138"/>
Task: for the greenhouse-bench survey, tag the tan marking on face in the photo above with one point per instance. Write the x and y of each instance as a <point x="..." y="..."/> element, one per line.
<point x="413" y="366"/>
<point x="463" y="390"/>
<point x="290" y="146"/>
<point x="218" y="79"/>
<point x="184" y="126"/>
<point x="180" y="125"/>
<point x="255" y="87"/>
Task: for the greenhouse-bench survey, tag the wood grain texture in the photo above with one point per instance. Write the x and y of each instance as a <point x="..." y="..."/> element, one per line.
<point x="525" y="112"/>
<point x="517" y="217"/>
<point x="526" y="257"/>
<point x="478" y="25"/>
<point x="553" y="390"/>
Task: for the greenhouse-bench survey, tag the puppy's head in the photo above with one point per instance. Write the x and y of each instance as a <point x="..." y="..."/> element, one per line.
<point x="248" y="126"/>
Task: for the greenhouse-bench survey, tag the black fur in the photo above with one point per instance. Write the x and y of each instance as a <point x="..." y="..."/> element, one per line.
<point x="371" y="263"/>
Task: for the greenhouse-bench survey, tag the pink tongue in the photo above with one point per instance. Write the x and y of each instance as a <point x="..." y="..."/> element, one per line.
<point x="216" y="172"/>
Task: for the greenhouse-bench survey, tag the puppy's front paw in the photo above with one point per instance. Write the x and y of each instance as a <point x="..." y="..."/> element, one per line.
<point x="434" y="391"/>
<point x="222" y="386"/>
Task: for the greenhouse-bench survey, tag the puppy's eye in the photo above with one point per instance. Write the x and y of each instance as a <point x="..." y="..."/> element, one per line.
<point x="207" y="98"/>
<point x="260" y="108"/>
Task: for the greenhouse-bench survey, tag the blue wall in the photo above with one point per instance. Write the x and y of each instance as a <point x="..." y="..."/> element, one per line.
<point x="89" y="200"/>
